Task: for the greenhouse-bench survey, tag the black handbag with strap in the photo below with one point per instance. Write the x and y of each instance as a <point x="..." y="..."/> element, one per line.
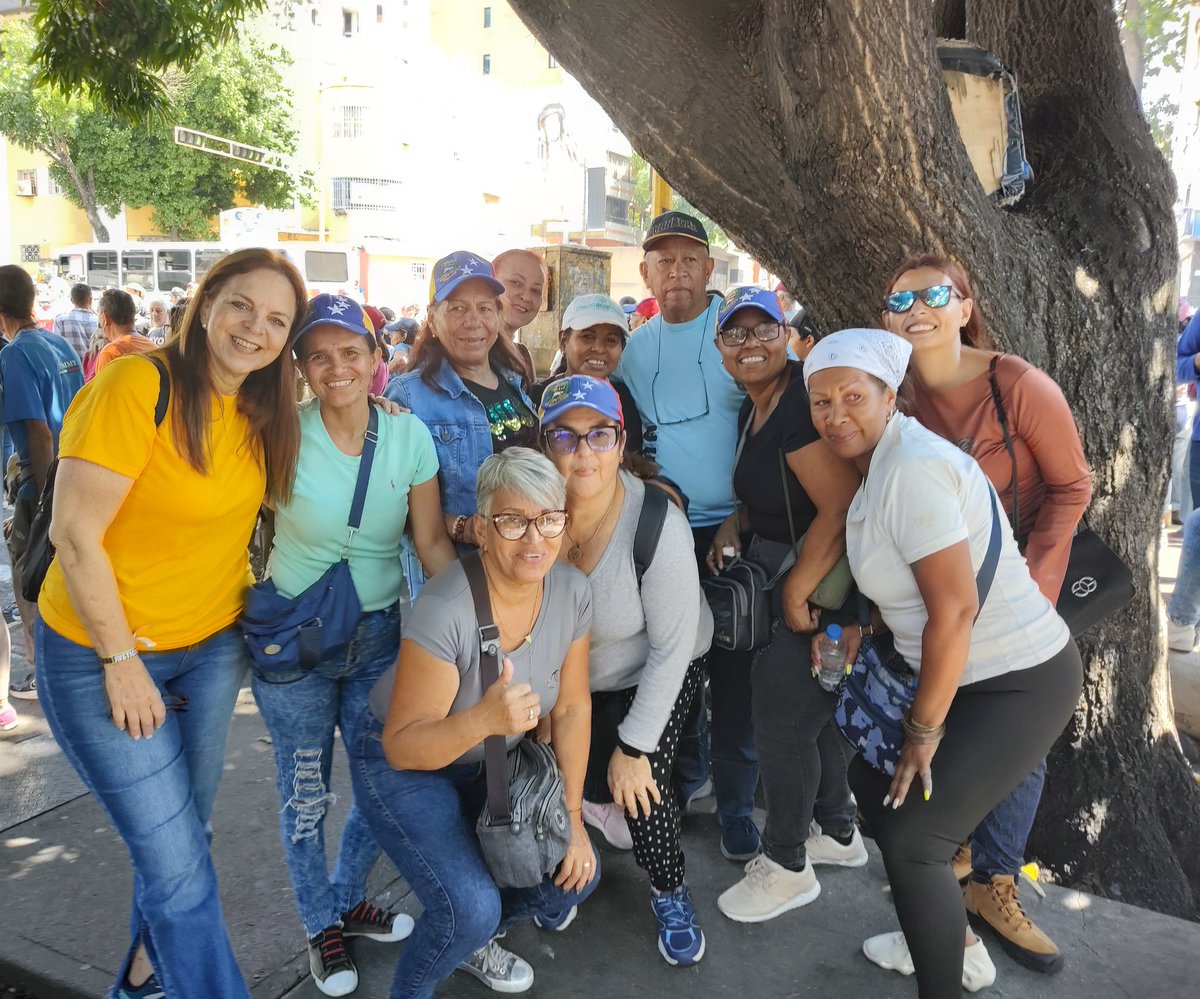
<point x="524" y="829"/>
<point x="1097" y="583"/>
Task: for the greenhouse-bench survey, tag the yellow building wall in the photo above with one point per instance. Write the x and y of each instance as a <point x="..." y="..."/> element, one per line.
<point x="45" y="220"/>
<point x="517" y="58"/>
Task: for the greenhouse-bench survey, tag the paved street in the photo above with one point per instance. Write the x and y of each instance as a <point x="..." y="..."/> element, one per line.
<point x="66" y="885"/>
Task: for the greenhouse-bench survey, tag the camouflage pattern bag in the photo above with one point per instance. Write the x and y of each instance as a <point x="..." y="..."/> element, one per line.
<point x="872" y="700"/>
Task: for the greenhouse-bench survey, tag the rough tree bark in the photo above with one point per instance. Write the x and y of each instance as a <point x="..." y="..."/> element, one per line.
<point x="59" y="152"/>
<point x="819" y="134"/>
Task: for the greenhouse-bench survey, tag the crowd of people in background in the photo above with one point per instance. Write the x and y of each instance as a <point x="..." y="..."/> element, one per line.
<point x="425" y="448"/>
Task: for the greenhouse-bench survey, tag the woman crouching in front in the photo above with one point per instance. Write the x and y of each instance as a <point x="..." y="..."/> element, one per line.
<point x="417" y="756"/>
<point x="992" y="656"/>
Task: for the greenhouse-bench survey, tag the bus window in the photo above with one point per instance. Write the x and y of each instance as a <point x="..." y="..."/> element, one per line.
<point x="325" y="266"/>
<point x="174" y="269"/>
<point x="102" y="269"/>
<point x="205" y="259"/>
<point x="138" y="268"/>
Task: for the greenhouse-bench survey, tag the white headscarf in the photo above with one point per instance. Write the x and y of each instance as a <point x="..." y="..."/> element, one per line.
<point x="877" y="352"/>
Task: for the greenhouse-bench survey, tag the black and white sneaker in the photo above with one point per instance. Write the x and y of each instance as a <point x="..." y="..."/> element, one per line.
<point x="374" y="923"/>
<point x="499" y="969"/>
<point x="329" y="961"/>
<point x="26" y="690"/>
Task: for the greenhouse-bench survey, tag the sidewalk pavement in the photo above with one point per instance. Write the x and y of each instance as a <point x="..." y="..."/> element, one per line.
<point x="66" y="883"/>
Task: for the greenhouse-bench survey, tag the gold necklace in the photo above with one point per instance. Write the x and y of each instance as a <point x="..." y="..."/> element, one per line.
<point x="537" y="601"/>
<point x="575" y="552"/>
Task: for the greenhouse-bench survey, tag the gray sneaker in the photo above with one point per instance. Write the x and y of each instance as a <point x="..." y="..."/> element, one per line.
<point x="499" y="969"/>
<point x="26" y="690"/>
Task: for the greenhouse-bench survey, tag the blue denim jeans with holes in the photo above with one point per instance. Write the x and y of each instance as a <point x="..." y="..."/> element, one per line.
<point x="301" y="715"/>
<point x="158" y="793"/>
<point x="425" y="821"/>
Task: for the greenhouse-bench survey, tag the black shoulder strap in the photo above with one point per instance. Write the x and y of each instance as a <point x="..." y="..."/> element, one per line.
<point x="164" y="391"/>
<point x="1002" y="416"/>
<point x="495" y="749"/>
<point x="987" y="569"/>
<point x="649" y="527"/>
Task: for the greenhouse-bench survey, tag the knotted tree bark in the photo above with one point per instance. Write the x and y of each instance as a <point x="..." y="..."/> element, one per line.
<point x="819" y="134"/>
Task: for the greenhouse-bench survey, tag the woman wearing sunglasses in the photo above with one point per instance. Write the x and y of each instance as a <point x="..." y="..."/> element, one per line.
<point x="789" y="485"/>
<point x="1045" y="486"/>
<point x="416" y="756"/>
<point x="649" y="638"/>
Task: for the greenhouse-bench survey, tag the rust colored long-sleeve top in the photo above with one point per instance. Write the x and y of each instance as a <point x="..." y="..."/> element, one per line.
<point x="1054" y="483"/>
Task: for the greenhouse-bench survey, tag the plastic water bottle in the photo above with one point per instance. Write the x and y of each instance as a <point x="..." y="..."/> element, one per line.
<point x="832" y="649"/>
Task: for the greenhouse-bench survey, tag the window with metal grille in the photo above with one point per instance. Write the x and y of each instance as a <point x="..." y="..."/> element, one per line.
<point x="371" y="194"/>
<point x="27" y="183"/>
<point x="31" y="253"/>
<point x="348" y="121"/>
<point x="420" y="272"/>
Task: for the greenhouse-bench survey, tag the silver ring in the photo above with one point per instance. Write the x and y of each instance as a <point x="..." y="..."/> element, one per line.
<point x="532" y="714"/>
<point x="587" y="863"/>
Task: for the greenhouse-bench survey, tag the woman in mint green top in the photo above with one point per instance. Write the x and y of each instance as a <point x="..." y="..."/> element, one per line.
<point x="336" y="352"/>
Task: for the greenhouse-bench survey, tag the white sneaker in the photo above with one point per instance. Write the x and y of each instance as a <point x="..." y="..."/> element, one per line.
<point x="1180" y="637"/>
<point x="822" y="849"/>
<point x="767" y="890"/>
<point x="610" y="820"/>
<point x="499" y="969"/>
<point x="890" y="951"/>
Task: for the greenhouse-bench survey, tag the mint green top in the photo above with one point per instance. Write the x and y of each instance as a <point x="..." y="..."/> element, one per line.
<point x="310" y="528"/>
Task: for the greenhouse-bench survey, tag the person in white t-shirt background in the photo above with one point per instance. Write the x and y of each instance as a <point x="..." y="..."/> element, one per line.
<point x="916" y="534"/>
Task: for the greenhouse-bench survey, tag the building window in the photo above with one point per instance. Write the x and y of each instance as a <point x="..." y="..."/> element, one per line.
<point x="31" y="253"/>
<point x="348" y="121"/>
<point x="349" y="22"/>
<point x="367" y="194"/>
<point x="487" y="17"/>
<point x="27" y="180"/>
<point x="487" y="64"/>
<point x="52" y="185"/>
<point x="551" y="62"/>
<point x="420" y="272"/>
<point x="379" y="13"/>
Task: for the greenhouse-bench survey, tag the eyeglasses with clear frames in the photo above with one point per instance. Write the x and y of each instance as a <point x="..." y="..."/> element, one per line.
<point x="560" y="440"/>
<point x="513" y="526"/>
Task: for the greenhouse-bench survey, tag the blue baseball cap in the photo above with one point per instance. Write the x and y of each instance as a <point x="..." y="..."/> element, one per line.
<point x="457" y="267"/>
<point x="336" y="310"/>
<point x="580" y="391"/>
<point x="749" y="297"/>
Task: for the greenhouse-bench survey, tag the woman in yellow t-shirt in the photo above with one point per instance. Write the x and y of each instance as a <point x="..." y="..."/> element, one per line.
<point x="139" y="608"/>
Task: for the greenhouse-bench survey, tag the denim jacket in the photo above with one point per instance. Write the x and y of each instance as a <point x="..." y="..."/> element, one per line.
<point x="461" y="436"/>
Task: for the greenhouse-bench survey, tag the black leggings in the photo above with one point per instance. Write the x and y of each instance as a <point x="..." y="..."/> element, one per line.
<point x="997" y="731"/>
<point x="655" y="836"/>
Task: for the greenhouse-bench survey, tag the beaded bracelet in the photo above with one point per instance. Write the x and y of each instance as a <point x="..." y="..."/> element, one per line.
<point x="460" y="527"/>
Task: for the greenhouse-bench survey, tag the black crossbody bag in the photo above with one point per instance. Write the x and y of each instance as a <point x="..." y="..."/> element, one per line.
<point x="1097" y="583"/>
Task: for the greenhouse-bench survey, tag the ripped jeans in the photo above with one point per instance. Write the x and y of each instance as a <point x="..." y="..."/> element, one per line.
<point x="301" y="716"/>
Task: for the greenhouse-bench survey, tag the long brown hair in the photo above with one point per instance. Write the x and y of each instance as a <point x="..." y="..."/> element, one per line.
<point x="428" y="355"/>
<point x="973" y="334"/>
<point x="267" y="398"/>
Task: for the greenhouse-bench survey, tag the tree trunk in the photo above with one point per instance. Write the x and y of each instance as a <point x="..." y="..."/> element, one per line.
<point x="819" y="135"/>
<point x="85" y="188"/>
<point x="1133" y="44"/>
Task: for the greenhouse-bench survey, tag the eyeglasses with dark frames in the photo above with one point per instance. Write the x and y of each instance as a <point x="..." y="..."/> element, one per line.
<point x="513" y="526"/>
<point x="735" y="336"/>
<point x="561" y="440"/>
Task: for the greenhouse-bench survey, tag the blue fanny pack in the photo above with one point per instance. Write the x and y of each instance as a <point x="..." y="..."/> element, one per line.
<point x="288" y="636"/>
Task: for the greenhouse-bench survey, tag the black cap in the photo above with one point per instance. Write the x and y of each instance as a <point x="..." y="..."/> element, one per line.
<point x="675" y="224"/>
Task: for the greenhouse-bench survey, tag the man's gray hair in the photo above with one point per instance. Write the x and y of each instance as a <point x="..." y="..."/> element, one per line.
<point x="524" y="472"/>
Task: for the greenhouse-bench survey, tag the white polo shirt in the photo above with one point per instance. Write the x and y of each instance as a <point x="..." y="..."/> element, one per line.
<point x="921" y="495"/>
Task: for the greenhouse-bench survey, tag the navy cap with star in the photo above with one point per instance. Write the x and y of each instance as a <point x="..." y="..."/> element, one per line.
<point x="749" y="297"/>
<point x="457" y="267"/>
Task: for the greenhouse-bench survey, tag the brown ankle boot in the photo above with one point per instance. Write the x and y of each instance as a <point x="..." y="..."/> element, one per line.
<point x="961" y="864"/>
<point x="994" y="904"/>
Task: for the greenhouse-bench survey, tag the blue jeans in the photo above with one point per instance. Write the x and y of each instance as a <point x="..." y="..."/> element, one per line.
<point x="998" y="842"/>
<point x="425" y="821"/>
<point x="158" y="793"/>
<point x="1184" y="607"/>
<point x="301" y="716"/>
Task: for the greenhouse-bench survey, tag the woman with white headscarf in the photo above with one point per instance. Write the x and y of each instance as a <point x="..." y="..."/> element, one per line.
<point x="916" y="535"/>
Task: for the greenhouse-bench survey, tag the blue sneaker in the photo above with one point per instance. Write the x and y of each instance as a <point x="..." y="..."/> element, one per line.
<point x="556" y="921"/>
<point x="739" y="839"/>
<point x="149" y="989"/>
<point x="680" y="940"/>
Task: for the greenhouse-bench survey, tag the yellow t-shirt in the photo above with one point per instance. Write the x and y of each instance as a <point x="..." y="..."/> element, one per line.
<point x="178" y="544"/>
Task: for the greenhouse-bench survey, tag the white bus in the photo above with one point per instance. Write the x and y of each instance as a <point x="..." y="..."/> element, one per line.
<point x="161" y="266"/>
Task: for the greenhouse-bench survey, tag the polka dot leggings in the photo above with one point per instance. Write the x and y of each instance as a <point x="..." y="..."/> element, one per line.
<point x="656" y="836"/>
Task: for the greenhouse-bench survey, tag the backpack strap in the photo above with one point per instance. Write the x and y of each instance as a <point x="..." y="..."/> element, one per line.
<point x="495" y="748"/>
<point x="649" y="528"/>
<point x="164" y="391"/>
